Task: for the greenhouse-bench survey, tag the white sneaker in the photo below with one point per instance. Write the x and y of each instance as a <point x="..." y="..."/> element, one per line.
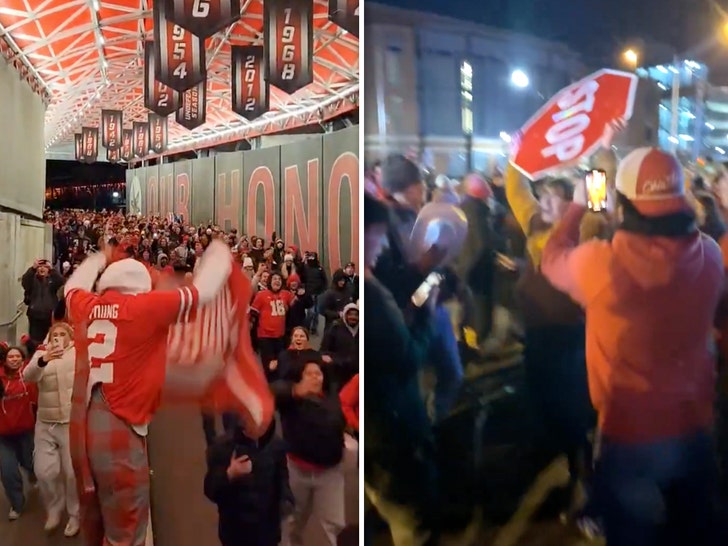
<point x="13" y="515"/>
<point x="72" y="527"/>
<point x="52" y="522"/>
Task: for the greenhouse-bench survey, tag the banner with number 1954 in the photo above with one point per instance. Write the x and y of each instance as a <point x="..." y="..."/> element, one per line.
<point x="289" y="43"/>
<point x="179" y="55"/>
<point x="203" y="18"/>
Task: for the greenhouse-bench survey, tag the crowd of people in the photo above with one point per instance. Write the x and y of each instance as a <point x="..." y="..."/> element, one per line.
<point x="122" y="281"/>
<point x="620" y="315"/>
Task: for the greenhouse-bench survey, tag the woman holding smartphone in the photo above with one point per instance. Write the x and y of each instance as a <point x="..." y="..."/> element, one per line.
<point x="52" y="368"/>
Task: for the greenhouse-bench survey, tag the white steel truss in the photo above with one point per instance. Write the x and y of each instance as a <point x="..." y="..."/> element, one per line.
<point x="82" y="56"/>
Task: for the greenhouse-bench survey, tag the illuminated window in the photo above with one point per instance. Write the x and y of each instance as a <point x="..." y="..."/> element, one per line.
<point x="466" y="96"/>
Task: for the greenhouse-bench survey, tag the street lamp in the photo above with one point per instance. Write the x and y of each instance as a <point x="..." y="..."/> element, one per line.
<point x="520" y="79"/>
<point x="631" y="57"/>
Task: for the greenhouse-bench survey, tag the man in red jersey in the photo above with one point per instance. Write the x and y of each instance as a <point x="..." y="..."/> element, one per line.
<point x="271" y="307"/>
<point x="121" y="363"/>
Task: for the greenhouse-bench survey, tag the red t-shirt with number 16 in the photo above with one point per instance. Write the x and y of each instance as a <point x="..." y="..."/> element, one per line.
<point x="127" y="344"/>
<point x="272" y="308"/>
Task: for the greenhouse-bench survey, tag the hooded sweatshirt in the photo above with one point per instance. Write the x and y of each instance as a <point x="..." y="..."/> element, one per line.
<point x="17" y="399"/>
<point x="650" y="305"/>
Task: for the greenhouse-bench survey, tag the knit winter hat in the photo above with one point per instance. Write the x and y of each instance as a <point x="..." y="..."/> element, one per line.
<point x="127" y="276"/>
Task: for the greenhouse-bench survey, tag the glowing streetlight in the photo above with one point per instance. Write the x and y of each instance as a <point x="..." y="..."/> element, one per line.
<point x="631" y="57"/>
<point x="520" y="79"/>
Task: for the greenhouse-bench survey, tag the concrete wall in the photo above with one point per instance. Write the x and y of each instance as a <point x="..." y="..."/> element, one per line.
<point x="24" y="241"/>
<point x="22" y="145"/>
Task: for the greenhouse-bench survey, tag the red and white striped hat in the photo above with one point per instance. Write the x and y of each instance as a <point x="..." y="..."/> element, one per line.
<point x="653" y="182"/>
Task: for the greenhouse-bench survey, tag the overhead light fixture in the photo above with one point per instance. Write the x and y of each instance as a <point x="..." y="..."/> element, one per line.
<point x="686" y="138"/>
<point x="673" y="140"/>
<point x="720" y="150"/>
<point x="505" y="137"/>
<point x="710" y="126"/>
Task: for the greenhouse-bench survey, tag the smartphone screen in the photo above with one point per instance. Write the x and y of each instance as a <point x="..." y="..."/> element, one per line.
<point x="596" y="189"/>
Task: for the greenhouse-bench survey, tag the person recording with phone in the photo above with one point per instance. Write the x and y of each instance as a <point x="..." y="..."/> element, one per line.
<point x="248" y="481"/>
<point x="40" y="286"/>
<point x="650" y="296"/>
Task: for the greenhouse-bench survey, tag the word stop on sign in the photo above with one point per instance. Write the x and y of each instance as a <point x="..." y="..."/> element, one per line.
<point x="566" y="136"/>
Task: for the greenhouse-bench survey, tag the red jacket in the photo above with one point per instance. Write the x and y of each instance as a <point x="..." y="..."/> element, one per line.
<point x="650" y="305"/>
<point x="349" y="397"/>
<point x="17" y="404"/>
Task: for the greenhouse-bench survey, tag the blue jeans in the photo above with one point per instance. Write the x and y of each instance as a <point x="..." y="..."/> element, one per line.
<point x="15" y="451"/>
<point x="659" y="493"/>
<point x="445" y="358"/>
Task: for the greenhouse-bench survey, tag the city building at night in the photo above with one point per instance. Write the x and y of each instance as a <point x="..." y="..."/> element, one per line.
<point x="701" y="129"/>
<point x="454" y="90"/>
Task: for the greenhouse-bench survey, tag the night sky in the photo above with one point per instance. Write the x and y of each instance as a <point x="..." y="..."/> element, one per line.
<point x="599" y="29"/>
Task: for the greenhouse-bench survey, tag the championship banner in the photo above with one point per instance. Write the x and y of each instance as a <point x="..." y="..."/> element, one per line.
<point x="78" y="142"/>
<point x="179" y="55"/>
<point x="203" y="18"/>
<point x="90" y="143"/>
<point x="157" y="133"/>
<point x="289" y="43"/>
<point x="158" y="98"/>
<point x="191" y="113"/>
<point x="141" y="138"/>
<point x="345" y="13"/>
<point x="573" y="123"/>
<point x="113" y="156"/>
<point x="127" y="144"/>
<point x="249" y="86"/>
<point x="111" y="126"/>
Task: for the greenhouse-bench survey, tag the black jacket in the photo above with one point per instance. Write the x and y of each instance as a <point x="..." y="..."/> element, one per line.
<point x="291" y="360"/>
<point x="250" y="508"/>
<point x="313" y="427"/>
<point x="399" y="435"/>
<point x="41" y="295"/>
<point x="343" y="347"/>
<point x="296" y="315"/>
<point x="332" y="302"/>
<point x="314" y="276"/>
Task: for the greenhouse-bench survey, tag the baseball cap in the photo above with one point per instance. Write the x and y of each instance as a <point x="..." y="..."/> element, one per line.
<point x="653" y="181"/>
<point x="477" y="187"/>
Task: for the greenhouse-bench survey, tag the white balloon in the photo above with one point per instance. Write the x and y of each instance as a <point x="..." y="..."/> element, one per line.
<point x="440" y="224"/>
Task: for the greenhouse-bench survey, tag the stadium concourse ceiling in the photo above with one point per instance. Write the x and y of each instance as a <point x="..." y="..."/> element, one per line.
<point x="86" y="55"/>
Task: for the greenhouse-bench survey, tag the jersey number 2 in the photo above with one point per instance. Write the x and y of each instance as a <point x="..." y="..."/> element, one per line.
<point x="102" y="338"/>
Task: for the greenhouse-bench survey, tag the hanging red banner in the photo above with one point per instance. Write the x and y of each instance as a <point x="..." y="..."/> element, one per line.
<point x="288" y="26"/>
<point x="90" y="143"/>
<point x="111" y="125"/>
<point x="249" y="87"/>
<point x="179" y="55"/>
<point x="127" y="144"/>
<point x="158" y="98"/>
<point x="78" y="142"/>
<point x="192" y="111"/>
<point x="157" y="133"/>
<point x="113" y="156"/>
<point x="141" y="138"/>
<point x="345" y="13"/>
<point x="203" y="18"/>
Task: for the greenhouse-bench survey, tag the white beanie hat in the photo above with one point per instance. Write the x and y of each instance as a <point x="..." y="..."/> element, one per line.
<point x="247" y="262"/>
<point x="127" y="276"/>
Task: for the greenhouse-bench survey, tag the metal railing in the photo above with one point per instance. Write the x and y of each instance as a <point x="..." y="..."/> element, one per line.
<point x="8" y="330"/>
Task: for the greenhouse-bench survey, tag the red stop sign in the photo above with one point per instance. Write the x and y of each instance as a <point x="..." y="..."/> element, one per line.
<point x="572" y="124"/>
